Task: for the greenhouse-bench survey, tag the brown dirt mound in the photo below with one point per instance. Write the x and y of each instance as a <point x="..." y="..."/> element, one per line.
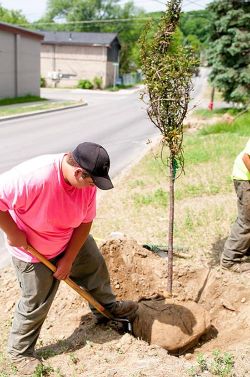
<point x="137" y="272"/>
<point x="134" y="270"/>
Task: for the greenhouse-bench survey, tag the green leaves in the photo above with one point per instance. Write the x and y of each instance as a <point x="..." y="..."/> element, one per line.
<point x="12" y="16"/>
<point x="229" y="42"/>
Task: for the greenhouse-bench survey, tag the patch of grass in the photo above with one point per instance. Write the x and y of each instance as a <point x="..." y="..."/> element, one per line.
<point x="43" y="370"/>
<point x="209" y="148"/>
<point x="240" y="127"/>
<point x="33" y="108"/>
<point x="24" y="99"/>
<point x="221" y="364"/>
<point x="208" y="114"/>
<point x="137" y="183"/>
<point x="158" y="198"/>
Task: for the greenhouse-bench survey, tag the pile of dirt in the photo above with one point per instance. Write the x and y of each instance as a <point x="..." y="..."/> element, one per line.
<point x="136" y="271"/>
<point x="72" y="344"/>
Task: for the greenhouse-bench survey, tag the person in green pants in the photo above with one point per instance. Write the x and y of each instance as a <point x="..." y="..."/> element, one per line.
<point x="237" y="246"/>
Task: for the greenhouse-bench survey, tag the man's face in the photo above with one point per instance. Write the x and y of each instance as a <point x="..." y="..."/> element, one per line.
<point x="86" y="179"/>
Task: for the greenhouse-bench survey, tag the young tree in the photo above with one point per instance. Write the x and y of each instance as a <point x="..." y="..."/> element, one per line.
<point x="168" y="68"/>
<point x="229" y="42"/>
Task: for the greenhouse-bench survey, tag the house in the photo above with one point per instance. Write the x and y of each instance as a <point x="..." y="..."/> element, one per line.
<point x="19" y="61"/>
<point x="67" y="57"/>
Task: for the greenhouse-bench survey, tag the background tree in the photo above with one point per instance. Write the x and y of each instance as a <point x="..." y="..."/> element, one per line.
<point x="168" y="68"/>
<point x="229" y="52"/>
<point x="12" y="16"/>
<point x="196" y="24"/>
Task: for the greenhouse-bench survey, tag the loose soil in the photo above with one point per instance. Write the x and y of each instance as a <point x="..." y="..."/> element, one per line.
<point x="73" y="345"/>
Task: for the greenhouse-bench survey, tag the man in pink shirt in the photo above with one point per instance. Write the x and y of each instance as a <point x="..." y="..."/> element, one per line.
<point x="50" y="203"/>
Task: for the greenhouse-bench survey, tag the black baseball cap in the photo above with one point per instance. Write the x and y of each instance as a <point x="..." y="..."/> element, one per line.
<point x="95" y="160"/>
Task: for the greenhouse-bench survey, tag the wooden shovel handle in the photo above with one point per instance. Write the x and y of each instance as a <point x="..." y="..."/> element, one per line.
<point x="81" y="291"/>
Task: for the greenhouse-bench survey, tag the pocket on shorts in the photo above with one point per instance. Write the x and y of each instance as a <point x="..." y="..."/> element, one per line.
<point x="22" y="266"/>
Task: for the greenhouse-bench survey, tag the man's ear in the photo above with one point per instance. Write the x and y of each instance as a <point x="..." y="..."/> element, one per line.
<point x="78" y="173"/>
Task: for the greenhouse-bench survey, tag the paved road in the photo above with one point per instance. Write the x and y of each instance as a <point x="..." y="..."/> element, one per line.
<point x="118" y="121"/>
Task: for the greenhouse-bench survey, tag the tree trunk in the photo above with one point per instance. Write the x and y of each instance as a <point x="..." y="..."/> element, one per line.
<point x="171" y="224"/>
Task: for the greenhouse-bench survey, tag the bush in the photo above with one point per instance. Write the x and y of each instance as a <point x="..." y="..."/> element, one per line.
<point x="85" y="84"/>
<point x="98" y="82"/>
<point x="42" y="82"/>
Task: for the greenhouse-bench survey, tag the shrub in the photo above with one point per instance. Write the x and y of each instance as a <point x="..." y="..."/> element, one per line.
<point x="98" y="82"/>
<point x="42" y="82"/>
<point x="85" y="84"/>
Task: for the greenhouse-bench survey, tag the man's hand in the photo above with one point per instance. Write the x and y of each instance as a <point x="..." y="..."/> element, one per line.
<point x="17" y="239"/>
<point x="63" y="269"/>
<point x="246" y="160"/>
<point x="78" y="238"/>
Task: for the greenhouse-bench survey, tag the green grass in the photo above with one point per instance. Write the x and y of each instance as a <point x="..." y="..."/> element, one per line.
<point x="241" y="127"/>
<point x="221" y="364"/>
<point x="32" y="108"/>
<point x="43" y="370"/>
<point x="158" y="197"/>
<point x="207" y="114"/>
<point x="24" y="99"/>
<point x="202" y="155"/>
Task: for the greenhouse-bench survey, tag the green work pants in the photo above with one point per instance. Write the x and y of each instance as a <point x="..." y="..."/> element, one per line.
<point x="238" y="242"/>
<point x="38" y="288"/>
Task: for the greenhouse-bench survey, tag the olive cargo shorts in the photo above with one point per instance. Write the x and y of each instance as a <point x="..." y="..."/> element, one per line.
<point x="38" y="288"/>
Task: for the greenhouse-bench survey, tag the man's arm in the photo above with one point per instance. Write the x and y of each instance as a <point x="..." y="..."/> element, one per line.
<point x="246" y="160"/>
<point x="78" y="238"/>
<point x="15" y="236"/>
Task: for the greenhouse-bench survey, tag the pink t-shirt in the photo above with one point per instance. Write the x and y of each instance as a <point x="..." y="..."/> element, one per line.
<point x="44" y="206"/>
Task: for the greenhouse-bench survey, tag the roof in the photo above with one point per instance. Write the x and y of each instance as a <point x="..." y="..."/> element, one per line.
<point x="14" y="29"/>
<point x="79" y="38"/>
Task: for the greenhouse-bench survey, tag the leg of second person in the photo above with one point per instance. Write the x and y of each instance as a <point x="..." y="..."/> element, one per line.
<point x="238" y="243"/>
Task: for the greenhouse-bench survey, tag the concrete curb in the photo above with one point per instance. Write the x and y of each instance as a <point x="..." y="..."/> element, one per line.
<point x="95" y="91"/>
<point x="24" y="115"/>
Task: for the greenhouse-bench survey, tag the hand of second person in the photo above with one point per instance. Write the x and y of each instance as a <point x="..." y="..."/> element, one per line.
<point x="63" y="269"/>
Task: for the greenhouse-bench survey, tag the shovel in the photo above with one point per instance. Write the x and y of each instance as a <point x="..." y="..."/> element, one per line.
<point x="80" y="290"/>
